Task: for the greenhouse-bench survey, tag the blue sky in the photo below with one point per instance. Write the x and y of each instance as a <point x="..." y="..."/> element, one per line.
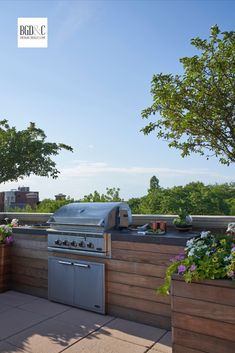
<point x="88" y="89"/>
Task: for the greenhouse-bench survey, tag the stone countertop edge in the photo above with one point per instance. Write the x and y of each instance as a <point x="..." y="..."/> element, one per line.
<point x="172" y="237"/>
<point x="26" y="230"/>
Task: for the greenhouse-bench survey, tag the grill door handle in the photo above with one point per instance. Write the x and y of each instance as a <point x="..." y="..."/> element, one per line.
<point x="65" y="263"/>
<point x="81" y="265"/>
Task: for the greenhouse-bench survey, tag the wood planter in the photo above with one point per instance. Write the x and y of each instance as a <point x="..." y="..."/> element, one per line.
<point x="203" y="316"/>
<point x="5" y="267"/>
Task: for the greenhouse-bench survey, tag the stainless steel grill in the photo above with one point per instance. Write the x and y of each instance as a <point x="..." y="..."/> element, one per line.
<point x="85" y="227"/>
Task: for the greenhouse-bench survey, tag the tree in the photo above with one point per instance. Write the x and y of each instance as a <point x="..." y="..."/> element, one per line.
<point x="45" y="206"/>
<point x="153" y="184"/>
<point x="50" y="206"/>
<point x="112" y="194"/>
<point x="197" y="109"/>
<point x="26" y="152"/>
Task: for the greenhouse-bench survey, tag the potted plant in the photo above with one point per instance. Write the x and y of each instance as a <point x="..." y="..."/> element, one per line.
<point x="183" y="222"/>
<point x="203" y="311"/>
<point x="6" y="239"/>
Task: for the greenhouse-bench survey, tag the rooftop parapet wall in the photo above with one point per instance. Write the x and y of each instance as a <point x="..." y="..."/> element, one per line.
<point x="26" y="218"/>
<point x="199" y="222"/>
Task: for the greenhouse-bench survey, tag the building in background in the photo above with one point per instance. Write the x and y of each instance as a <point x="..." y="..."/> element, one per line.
<point x="18" y="198"/>
<point x="60" y="197"/>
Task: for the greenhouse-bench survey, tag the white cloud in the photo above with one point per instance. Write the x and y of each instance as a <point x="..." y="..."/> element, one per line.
<point x="89" y="168"/>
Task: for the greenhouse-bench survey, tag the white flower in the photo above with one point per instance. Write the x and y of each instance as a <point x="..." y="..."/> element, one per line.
<point x="204" y="247"/>
<point x="231" y="228"/>
<point x="15" y="222"/>
<point x="191" y="252"/>
<point x="189" y="243"/>
<point x="228" y="258"/>
<point x="205" y="234"/>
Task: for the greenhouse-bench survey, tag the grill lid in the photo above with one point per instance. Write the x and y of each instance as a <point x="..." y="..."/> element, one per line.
<point x="92" y="214"/>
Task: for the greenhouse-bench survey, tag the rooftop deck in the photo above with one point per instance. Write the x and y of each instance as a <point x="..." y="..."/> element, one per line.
<point x="30" y="324"/>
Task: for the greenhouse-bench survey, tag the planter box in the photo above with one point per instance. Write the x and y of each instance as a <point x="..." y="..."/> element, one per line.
<point x="5" y="267"/>
<point x="203" y="316"/>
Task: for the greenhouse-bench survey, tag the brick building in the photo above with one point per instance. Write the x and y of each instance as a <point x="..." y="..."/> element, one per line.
<point x="18" y="198"/>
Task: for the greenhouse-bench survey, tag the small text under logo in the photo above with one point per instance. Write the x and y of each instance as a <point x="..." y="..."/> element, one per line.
<point x="32" y="32"/>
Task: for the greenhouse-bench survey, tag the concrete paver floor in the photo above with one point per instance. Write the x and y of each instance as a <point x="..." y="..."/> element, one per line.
<point x="30" y="324"/>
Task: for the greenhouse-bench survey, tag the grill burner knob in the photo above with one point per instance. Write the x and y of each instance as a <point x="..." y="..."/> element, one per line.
<point x="82" y="244"/>
<point x="65" y="242"/>
<point x="58" y="242"/>
<point x="73" y="243"/>
<point x="90" y="245"/>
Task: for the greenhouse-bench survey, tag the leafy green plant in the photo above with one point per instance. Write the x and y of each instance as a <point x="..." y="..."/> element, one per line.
<point x="6" y="234"/>
<point x="183" y="219"/>
<point x="206" y="257"/>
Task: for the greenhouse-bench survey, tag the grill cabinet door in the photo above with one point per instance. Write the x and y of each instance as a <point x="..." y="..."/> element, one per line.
<point x="60" y="280"/>
<point x="89" y="284"/>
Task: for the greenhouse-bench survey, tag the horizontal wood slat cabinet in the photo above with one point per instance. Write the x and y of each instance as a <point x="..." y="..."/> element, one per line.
<point x="203" y="316"/>
<point x="5" y="267"/>
<point x="29" y="264"/>
<point x="133" y="274"/>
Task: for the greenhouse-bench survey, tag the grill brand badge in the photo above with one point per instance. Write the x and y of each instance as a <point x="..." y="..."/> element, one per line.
<point x="32" y="32"/>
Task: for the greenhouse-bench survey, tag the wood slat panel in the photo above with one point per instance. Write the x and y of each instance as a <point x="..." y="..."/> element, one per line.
<point x="5" y="260"/>
<point x="145" y="269"/>
<point x="204" y="309"/>
<point x="214" y="283"/>
<point x="29" y="281"/>
<point x="205" y="292"/>
<point x="135" y="280"/>
<point x="30" y="244"/>
<point x="33" y="262"/>
<point x="34" y="237"/>
<point x="37" y="291"/>
<point x="30" y="271"/>
<point x="202" y="342"/>
<point x="208" y="327"/>
<point x="5" y="252"/>
<point x="147" y="247"/>
<point x="137" y="292"/>
<point x="181" y="349"/>
<point x="139" y="304"/>
<point x="141" y="257"/>
<point x="5" y="281"/>
<point x="140" y="316"/>
<point x="4" y="269"/>
<point x="38" y="254"/>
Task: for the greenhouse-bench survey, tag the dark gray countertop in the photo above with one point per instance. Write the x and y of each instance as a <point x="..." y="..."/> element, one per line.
<point x="28" y="230"/>
<point x="171" y="237"/>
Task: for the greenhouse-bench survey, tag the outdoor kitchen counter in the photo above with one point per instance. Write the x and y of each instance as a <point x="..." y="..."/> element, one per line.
<point x="171" y="237"/>
<point x="136" y="268"/>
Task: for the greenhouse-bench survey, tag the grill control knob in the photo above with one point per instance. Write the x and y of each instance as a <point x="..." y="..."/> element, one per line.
<point x="65" y="242"/>
<point x="73" y="243"/>
<point x="82" y="244"/>
<point x="90" y="245"/>
<point x="58" y="242"/>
